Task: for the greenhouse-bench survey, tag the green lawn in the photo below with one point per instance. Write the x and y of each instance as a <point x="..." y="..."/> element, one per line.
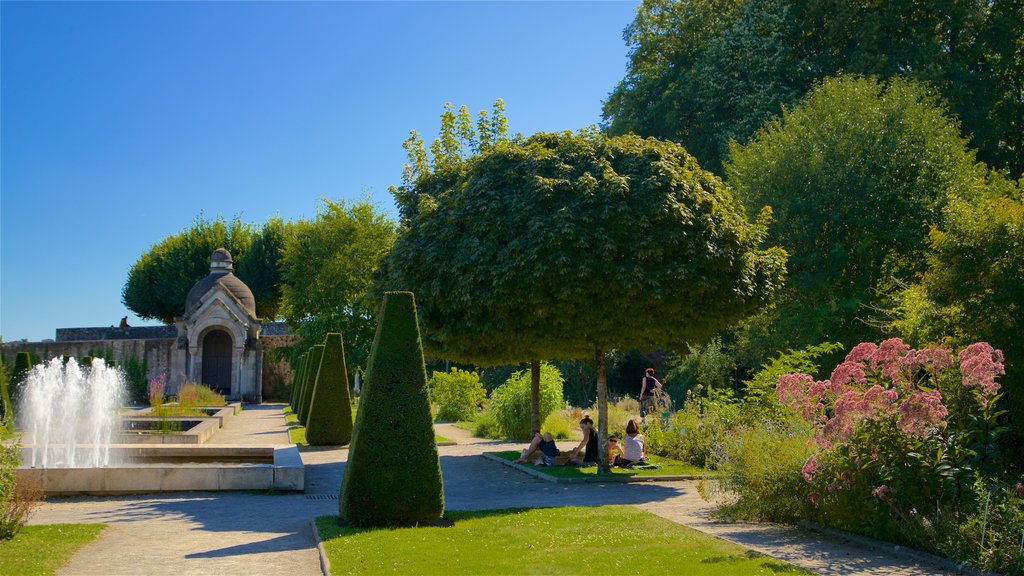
<point x="297" y="432"/>
<point x="601" y="540"/>
<point x="668" y="468"/>
<point x="37" y="550"/>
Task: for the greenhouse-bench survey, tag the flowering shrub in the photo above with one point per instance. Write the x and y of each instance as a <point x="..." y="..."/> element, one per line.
<point x="902" y="436"/>
<point x="156" y="390"/>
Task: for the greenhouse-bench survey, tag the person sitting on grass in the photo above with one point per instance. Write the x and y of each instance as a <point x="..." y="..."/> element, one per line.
<point x="589" y="441"/>
<point x="544" y="447"/>
<point x="614" y="451"/>
<point x="635" y="446"/>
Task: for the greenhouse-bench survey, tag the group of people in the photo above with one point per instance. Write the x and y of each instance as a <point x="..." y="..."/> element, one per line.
<point x="632" y="450"/>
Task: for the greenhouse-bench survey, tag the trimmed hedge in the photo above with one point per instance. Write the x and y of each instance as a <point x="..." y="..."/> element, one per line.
<point x="330" y="413"/>
<point x="297" y="383"/>
<point x="312" y="365"/>
<point x="393" y="475"/>
<point x="22" y="365"/>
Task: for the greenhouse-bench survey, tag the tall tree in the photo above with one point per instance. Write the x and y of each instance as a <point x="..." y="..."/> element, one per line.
<point x="160" y="279"/>
<point x="855" y="175"/>
<point x="568" y="245"/>
<point x="327" y="266"/>
<point x="703" y="72"/>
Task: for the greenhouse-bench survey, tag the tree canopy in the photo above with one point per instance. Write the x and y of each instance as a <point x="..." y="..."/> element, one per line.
<point x="855" y="174"/>
<point x="327" y="265"/>
<point x="160" y="279"/>
<point x="703" y="72"/>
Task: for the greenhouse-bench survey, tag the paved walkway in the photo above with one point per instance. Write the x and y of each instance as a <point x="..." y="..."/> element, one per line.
<point x="255" y="534"/>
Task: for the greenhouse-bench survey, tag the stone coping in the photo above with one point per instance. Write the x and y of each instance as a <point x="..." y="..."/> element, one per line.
<point x="287" y="472"/>
<point x="536" y="472"/>
<point x="223" y="412"/>
<point x="197" y="434"/>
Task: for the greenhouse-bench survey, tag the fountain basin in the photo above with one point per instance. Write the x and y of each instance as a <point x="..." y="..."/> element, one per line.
<point x="221" y="413"/>
<point x="177" y="468"/>
<point x="143" y="430"/>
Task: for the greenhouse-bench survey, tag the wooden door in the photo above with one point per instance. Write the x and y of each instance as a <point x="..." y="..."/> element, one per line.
<point x="217" y="361"/>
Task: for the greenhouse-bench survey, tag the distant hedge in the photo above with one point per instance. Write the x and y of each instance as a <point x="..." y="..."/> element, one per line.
<point x="297" y="383"/>
<point x="330" y="413"/>
<point x="313" y="366"/>
<point x="393" y="476"/>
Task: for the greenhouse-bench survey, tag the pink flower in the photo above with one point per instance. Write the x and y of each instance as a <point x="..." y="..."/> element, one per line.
<point x="921" y="413"/>
<point x="883" y="492"/>
<point x="834" y="485"/>
<point x="863" y="352"/>
<point x="1018" y="489"/>
<point x="792" y="388"/>
<point x="934" y="358"/>
<point x="892" y="355"/>
<point x="980" y="364"/>
<point x="810" y="469"/>
<point x="812" y="497"/>
<point x="848" y="373"/>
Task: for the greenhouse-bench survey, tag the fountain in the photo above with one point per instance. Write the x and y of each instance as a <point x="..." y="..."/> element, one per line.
<point x="70" y="415"/>
<point x="72" y="431"/>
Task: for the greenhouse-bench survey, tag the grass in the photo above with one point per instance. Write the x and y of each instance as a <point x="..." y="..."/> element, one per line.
<point x="606" y="539"/>
<point x="42" y="549"/>
<point x="668" y="468"/>
<point x="297" y="432"/>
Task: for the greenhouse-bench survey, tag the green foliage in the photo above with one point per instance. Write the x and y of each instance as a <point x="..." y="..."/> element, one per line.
<point x="759" y="391"/>
<point x="259" y="266"/>
<point x="703" y="368"/>
<point x="759" y="471"/>
<point x="17" y="499"/>
<point x="161" y="278"/>
<point x="393" y="476"/>
<point x="855" y="175"/>
<point x="200" y="396"/>
<point x="297" y="381"/>
<point x="510" y="402"/>
<point x="136" y="379"/>
<point x="6" y="406"/>
<point x="510" y="262"/>
<point x="315" y="356"/>
<point x="23" y="363"/>
<point x="330" y="412"/>
<point x="973" y="287"/>
<point x="704" y="72"/>
<point x="457" y="394"/>
<point x="328" y="263"/>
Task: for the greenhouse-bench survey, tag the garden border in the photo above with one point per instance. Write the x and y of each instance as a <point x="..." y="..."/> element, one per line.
<point x="536" y="473"/>
<point x="325" y="563"/>
<point x="898" y="549"/>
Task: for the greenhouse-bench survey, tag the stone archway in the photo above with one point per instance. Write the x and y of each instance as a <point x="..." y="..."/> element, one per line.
<point x="216" y="362"/>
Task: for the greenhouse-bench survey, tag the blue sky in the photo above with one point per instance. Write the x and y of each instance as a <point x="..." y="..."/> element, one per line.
<point x="122" y="122"/>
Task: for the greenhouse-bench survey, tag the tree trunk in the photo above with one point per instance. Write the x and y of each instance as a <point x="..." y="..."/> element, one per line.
<point x="602" y="415"/>
<point x="535" y="396"/>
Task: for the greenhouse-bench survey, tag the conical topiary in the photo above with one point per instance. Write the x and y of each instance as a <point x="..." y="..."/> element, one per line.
<point x="393" y="476"/>
<point x="297" y="384"/>
<point x="22" y="366"/>
<point x="315" y="353"/>
<point x="330" y="413"/>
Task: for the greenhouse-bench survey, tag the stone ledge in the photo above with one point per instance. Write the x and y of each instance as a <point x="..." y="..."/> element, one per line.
<point x="537" y="473"/>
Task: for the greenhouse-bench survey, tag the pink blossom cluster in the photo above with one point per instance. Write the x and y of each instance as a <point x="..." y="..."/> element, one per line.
<point x="893" y="360"/>
<point x="980" y="364"/>
<point x="804" y="394"/>
<point x="810" y="469"/>
<point x="922" y="413"/>
<point x="883" y="492"/>
<point x="853" y="407"/>
<point x="157" y="387"/>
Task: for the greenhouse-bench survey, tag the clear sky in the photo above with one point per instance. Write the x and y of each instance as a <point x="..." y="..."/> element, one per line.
<point x="122" y="122"/>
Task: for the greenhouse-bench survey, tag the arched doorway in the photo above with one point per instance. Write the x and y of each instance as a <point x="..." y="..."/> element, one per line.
<point x="217" y="361"/>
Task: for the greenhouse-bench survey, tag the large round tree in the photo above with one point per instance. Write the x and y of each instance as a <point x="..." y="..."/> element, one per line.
<point x="566" y="245"/>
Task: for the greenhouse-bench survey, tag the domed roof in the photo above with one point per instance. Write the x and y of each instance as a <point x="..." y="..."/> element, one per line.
<point x="221" y="266"/>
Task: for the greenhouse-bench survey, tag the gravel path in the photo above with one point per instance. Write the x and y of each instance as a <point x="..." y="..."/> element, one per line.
<point x="255" y="534"/>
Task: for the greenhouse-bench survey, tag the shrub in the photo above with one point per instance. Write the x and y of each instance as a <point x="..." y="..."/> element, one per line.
<point x="297" y="383"/>
<point x="760" y="472"/>
<point x="17" y="499"/>
<point x="22" y="364"/>
<point x="485" y="424"/>
<point x="6" y="407"/>
<point x="560" y="424"/>
<point x="393" y="475"/>
<point x="156" y="391"/>
<point x="316" y="353"/>
<point x="136" y="379"/>
<point x="199" y="395"/>
<point x="330" y="411"/>
<point x="511" y="401"/>
<point x="457" y="394"/>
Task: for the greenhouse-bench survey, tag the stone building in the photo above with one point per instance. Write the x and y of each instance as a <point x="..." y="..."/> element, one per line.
<point x="218" y="340"/>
